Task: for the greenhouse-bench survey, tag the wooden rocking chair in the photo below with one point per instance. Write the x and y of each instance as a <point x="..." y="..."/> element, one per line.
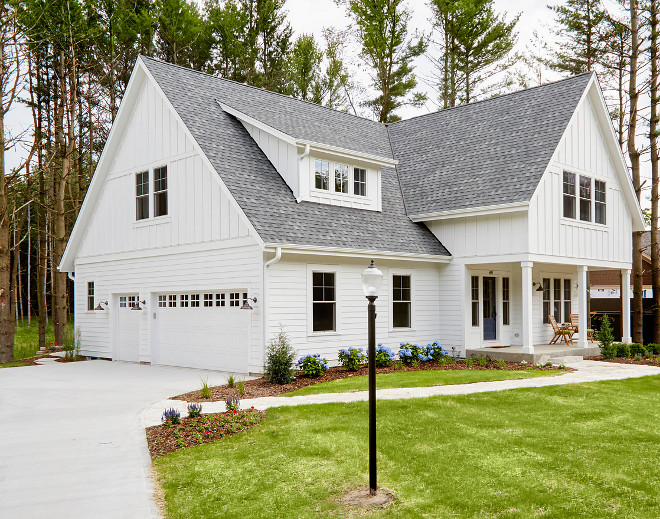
<point x="561" y="333"/>
<point x="574" y="324"/>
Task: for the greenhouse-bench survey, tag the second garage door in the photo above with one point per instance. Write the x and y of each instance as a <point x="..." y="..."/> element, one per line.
<point x="204" y="330"/>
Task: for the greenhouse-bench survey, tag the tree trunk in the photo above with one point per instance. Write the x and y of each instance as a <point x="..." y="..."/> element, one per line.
<point x="655" y="253"/>
<point x="634" y="154"/>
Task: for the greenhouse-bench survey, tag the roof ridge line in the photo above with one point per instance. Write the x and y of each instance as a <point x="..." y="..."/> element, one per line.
<point x="590" y="72"/>
<point x="261" y="89"/>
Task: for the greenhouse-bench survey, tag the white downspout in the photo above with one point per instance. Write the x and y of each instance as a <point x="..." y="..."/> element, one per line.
<point x="72" y="276"/>
<point x="278" y="257"/>
<point x="304" y="154"/>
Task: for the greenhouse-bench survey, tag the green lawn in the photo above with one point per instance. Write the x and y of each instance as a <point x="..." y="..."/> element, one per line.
<point x="14" y="364"/>
<point x="417" y="379"/>
<point x="26" y="338"/>
<point x="577" y="450"/>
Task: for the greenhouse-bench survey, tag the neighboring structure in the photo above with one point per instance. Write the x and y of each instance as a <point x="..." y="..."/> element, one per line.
<point x="484" y="219"/>
<point x="605" y="293"/>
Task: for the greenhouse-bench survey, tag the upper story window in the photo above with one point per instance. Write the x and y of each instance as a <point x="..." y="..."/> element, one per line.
<point x="600" y="190"/>
<point x="142" y="195"/>
<point x="585" y="199"/>
<point x="578" y="199"/>
<point x="90" y="295"/>
<point x="322" y="174"/>
<point x="341" y="178"/>
<point x="160" y="191"/>
<point x="359" y="181"/>
<point x="569" y="195"/>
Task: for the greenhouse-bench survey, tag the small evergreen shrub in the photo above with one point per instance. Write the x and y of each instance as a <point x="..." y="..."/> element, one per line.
<point x="232" y="403"/>
<point x="653" y="348"/>
<point x="606" y="339"/>
<point x="312" y="366"/>
<point x="384" y="356"/>
<point x="240" y="387"/>
<point x="412" y="354"/>
<point x="548" y="364"/>
<point x="279" y="360"/>
<point x="230" y="381"/>
<point x="194" y="409"/>
<point x="172" y="416"/>
<point x="637" y="350"/>
<point x="622" y="350"/>
<point x="352" y="358"/>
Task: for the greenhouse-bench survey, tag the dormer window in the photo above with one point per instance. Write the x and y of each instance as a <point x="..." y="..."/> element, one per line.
<point x="359" y="181"/>
<point x="322" y="174"/>
<point x="341" y="178"/>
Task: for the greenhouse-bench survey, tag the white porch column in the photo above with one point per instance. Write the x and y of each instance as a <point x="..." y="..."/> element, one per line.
<point x="625" y="306"/>
<point x="527" y="340"/>
<point x="582" y="306"/>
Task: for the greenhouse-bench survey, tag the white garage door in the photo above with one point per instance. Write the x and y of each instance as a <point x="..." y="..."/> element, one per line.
<point x="204" y="330"/>
<point x="129" y="328"/>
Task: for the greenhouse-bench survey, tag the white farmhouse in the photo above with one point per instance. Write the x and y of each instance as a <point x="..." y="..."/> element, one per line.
<point x="212" y="196"/>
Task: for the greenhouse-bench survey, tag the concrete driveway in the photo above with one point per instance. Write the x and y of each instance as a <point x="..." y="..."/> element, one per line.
<point x="71" y="438"/>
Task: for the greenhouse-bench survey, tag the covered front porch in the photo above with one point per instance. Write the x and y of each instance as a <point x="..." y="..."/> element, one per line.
<point x="511" y="308"/>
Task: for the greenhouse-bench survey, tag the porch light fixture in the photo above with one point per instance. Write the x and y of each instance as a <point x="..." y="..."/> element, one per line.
<point x="99" y="307"/>
<point x="137" y="306"/>
<point x="372" y="278"/>
<point x="247" y="305"/>
<point x="539" y="288"/>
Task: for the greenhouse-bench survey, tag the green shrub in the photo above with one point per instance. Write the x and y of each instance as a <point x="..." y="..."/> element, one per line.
<point x="548" y="364"/>
<point x="637" y="349"/>
<point x="500" y="363"/>
<point x="606" y="339"/>
<point x="240" y="387"/>
<point x="352" y="358"/>
<point x="398" y="365"/>
<point x="313" y="365"/>
<point x="469" y="362"/>
<point x="206" y="390"/>
<point x="230" y="381"/>
<point x="481" y="360"/>
<point x="411" y="354"/>
<point x="622" y="350"/>
<point x="653" y="348"/>
<point x="279" y="360"/>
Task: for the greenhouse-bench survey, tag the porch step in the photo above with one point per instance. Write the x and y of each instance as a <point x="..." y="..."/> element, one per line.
<point x="542" y="353"/>
<point x="556" y="361"/>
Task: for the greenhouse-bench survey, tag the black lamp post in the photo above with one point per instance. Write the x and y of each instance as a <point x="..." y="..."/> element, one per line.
<point x="371" y="281"/>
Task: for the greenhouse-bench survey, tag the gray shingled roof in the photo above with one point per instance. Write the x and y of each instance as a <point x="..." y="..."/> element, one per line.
<point x="485" y="153"/>
<point x="257" y="187"/>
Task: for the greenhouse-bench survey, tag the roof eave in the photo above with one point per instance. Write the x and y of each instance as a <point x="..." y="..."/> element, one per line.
<point x="467" y="212"/>
<point x="294" y="248"/>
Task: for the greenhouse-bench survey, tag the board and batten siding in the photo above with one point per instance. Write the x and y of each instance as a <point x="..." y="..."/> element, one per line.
<point x="481" y="236"/>
<point x="198" y="209"/>
<point x="290" y="303"/>
<point x="582" y="150"/>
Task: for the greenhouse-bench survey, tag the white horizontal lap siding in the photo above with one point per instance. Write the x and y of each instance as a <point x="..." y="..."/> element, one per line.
<point x="231" y="268"/>
<point x="581" y="151"/>
<point x="488" y="235"/>
<point x="290" y="300"/>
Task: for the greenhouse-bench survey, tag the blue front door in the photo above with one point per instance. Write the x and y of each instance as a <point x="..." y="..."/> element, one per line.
<point x="490" y="315"/>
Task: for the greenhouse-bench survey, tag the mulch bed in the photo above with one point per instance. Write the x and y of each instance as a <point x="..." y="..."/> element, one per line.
<point x="261" y="387"/>
<point x="653" y="360"/>
<point x="207" y="428"/>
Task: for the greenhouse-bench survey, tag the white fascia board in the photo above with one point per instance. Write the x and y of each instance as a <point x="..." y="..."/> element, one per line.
<point x="540" y="260"/>
<point x="105" y="161"/>
<point x="472" y="211"/>
<point x="355" y="253"/>
<point x="316" y="146"/>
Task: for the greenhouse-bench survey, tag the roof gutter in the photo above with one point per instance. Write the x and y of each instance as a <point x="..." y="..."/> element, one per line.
<point x="358" y="253"/>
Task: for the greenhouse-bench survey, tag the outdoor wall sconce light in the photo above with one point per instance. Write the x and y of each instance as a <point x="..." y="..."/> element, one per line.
<point x="539" y="288"/>
<point x="246" y="304"/>
<point x="99" y="307"/>
<point x="137" y="306"/>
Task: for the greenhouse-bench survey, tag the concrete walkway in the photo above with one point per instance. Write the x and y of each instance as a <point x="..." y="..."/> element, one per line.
<point x="587" y="371"/>
<point x="72" y="441"/>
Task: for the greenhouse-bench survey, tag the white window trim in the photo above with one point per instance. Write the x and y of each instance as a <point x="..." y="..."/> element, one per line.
<point x="331" y="193"/>
<point x="591" y="224"/>
<point x="336" y="270"/>
<point x="152" y="220"/>
<point x="390" y="279"/>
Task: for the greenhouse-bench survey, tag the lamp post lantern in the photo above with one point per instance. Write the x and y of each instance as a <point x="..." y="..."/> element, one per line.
<point x="371" y="281"/>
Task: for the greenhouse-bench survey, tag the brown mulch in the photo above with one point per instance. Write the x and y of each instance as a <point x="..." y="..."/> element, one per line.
<point x="207" y="428"/>
<point x="262" y="387"/>
<point x="654" y="360"/>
